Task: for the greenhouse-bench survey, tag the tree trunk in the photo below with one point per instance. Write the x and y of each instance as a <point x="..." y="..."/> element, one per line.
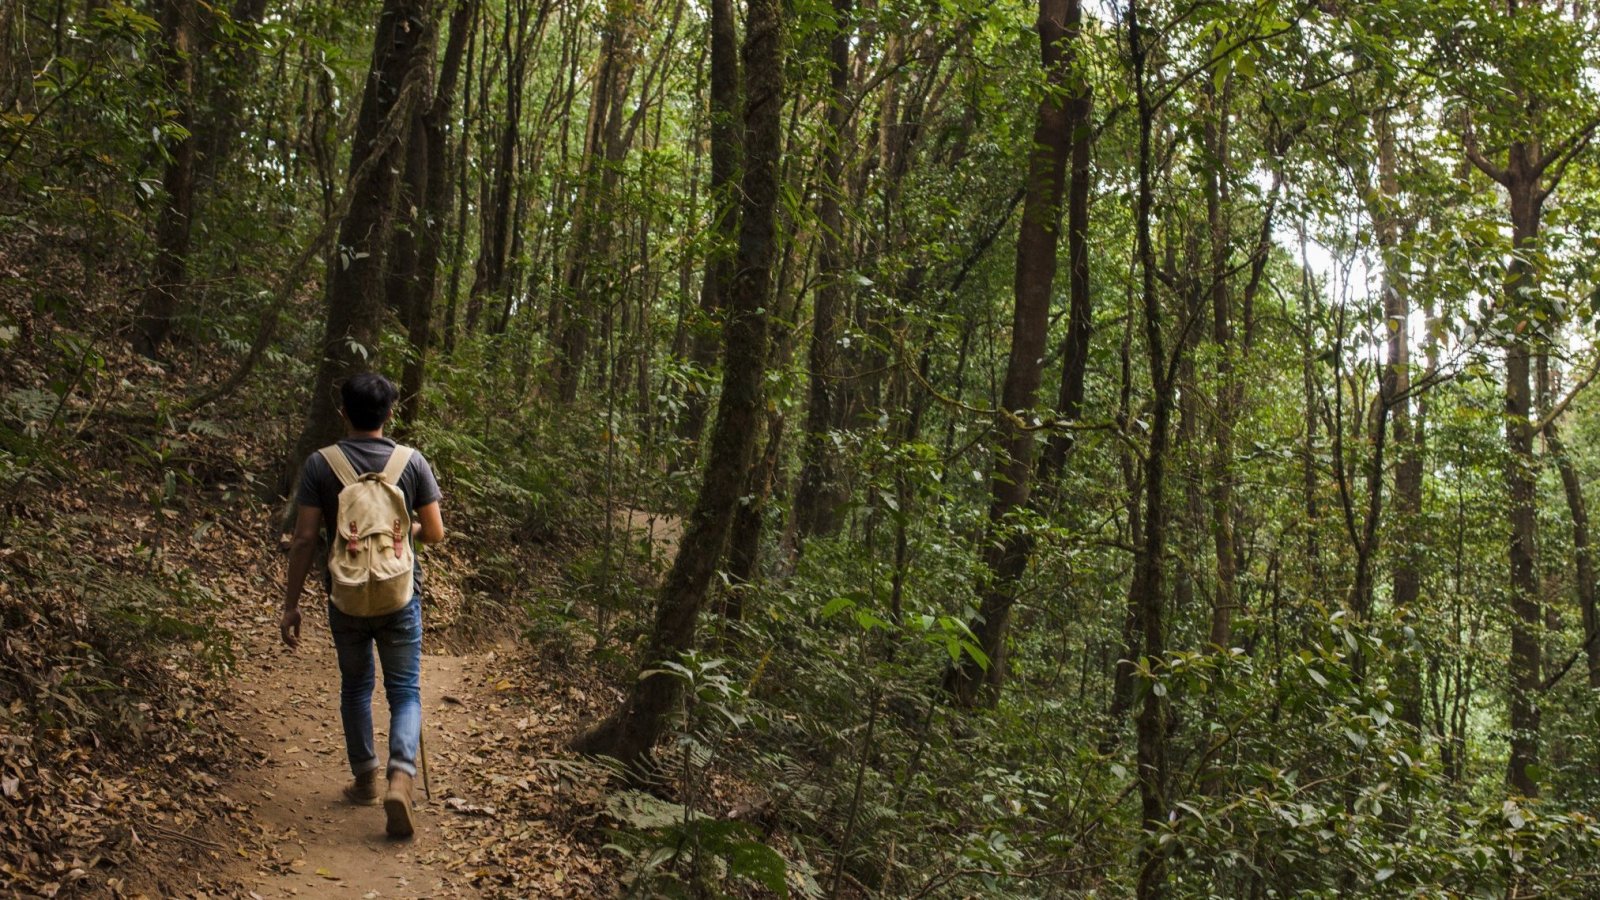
<point x="168" y="281"/>
<point x="744" y="545"/>
<point x="489" y="277"/>
<point x="1527" y="165"/>
<point x="355" y="307"/>
<point x="1229" y="396"/>
<point x="431" y="195"/>
<point x="820" y="497"/>
<point x="1406" y="586"/>
<point x="633" y="728"/>
<point x="1310" y="393"/>
<point x="1522" y="489"/>
<point x="592" y="228"/>
<point x="1007" y="548"/>
<point x="1583" y="557"/>
<point x="714" y="284"/>
<point x="462" y="169"/>
<point x="1133" y="484"/>
<point x="1080" y="315"/>
<point x="1148" y="588"/>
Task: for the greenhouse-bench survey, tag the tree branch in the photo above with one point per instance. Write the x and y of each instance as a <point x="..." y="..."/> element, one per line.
<point x="1469" y="141"/>
<point x="1560" y="406"/>
<point x="1566" y="148"/>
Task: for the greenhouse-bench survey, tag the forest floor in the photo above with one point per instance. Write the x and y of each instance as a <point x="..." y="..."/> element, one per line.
<point x="500" y="812"/>
<point x="131" y="768"/>
<point x="254" y="809"/>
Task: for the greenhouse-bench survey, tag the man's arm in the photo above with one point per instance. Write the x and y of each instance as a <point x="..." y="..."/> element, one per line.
<point x="301" y="549"/>
<point x="429" y="524"/>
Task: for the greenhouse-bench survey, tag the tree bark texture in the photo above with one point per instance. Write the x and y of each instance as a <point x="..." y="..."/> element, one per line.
<point x="426" y="203"/>
<point x="1080" y="315"/>
<point x="1394" y="391"/>
<point x="820" y="497"/>
<point x="1521" y="486"/>
<point x="489" y="275"/>
<point x="630" y="731"/>
<point x="1008" y="548"/>
<point x="718" y="275"/>
<point x="1229" y="395"/>
<point x="1582" y="555"/>
<point x="1148" y="582"/>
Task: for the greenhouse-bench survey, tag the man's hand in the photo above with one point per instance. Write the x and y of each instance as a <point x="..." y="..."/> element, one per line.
<point x="289" y="626"/>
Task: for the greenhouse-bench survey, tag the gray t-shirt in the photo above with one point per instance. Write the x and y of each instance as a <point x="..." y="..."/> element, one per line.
<point x="320" y="487"/>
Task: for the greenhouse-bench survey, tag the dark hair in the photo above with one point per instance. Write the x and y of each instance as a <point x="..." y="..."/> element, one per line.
<point x="368" y="397"/>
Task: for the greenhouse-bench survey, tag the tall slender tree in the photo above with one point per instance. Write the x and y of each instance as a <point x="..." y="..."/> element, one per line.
<point x="355" y="308"/>
<point x="605" y="146"/>
<point x="426" y="202"/>
<point x="1008" y="547"/>
<point x="718" y="276"/>
<point x="820" y="495"/>
<point x="175" y="223"/>
<point x="1529" y="169"/>
<point x="632" y="729"/>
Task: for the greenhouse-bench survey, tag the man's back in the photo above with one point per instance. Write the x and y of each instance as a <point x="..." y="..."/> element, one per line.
<point x="320" y="487"/>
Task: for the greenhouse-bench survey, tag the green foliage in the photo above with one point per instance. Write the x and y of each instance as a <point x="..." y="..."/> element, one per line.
<point x="675" y="849"/>
<point x="1331" y="744"/>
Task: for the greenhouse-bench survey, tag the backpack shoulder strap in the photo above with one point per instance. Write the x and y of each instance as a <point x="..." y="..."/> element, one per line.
<point x="340" y="464"/>
<point x="396" y="466"/>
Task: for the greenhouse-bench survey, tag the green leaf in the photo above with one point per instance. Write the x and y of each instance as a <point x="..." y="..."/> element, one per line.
<point x="761" y="864"/>
<point x="835" y="606"/>
<point x="867" y="620"/>
<point x="977" y="654"/>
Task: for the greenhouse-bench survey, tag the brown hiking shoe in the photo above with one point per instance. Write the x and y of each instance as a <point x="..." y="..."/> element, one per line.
<point x="363" y="791"/>
<point x="397" y="805"/>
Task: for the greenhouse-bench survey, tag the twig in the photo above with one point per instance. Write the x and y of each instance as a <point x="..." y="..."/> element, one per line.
<point x="180" y="836"/>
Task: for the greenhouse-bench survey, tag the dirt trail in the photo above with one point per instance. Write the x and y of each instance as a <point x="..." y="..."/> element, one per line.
<point x="512" y="814"/>
<point x="309" y="841"/>
<point x="661" y="529"/>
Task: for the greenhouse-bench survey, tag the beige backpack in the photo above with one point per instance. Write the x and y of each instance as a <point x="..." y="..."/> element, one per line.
<point x="371" y="559"/>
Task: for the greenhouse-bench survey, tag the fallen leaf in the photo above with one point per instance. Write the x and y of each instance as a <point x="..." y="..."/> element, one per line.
<point x="468" y="809"/>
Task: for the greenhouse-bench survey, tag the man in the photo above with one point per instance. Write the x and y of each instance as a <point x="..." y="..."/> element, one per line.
<point x="368" y="401"/>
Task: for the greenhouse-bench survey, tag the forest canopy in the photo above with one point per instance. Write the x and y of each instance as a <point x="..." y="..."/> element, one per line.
<point x="1113" y="447"/>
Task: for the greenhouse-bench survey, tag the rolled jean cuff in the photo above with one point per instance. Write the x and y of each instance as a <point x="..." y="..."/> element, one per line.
<point x="363" y="768"/>
<point x="400" y="765"/>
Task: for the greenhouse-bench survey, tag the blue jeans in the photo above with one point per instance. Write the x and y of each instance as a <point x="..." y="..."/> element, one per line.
<point x="399" y="640"/>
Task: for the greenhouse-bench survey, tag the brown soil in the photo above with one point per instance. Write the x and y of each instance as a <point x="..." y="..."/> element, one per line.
<point x="503" y="820"/>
